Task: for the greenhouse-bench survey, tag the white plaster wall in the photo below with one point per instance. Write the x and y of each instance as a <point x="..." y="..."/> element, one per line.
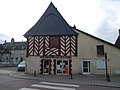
<point x="87" y="51"/>
<point x="32" y="64"/>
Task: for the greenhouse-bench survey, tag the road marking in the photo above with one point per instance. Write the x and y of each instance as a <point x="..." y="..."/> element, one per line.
<point x="28" y="89"/>
<point x="52" y="87"/>
<point x="60" y="84"/>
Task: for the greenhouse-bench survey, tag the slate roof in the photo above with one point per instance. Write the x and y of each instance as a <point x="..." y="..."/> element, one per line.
<point x="51" y="23"/>
<point x="6" y="51"/>
<point x="15" y="45"/>
<point x="117" y="43"/>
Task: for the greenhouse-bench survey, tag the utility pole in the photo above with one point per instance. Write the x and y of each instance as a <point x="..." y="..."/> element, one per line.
<point x="107" y="75"/>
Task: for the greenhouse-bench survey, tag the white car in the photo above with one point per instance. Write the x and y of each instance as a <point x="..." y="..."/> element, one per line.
<point x="21" y="66"/>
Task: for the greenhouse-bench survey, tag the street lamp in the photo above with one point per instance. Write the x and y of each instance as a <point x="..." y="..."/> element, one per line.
<point x="107" y="75"/>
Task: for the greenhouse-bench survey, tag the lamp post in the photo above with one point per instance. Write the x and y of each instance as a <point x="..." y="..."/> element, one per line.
<point x="107" y="75"/>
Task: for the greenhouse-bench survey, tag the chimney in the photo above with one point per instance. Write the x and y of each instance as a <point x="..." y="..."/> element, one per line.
<point x="74" y="26"/>
<point x="5" y="42"/>
<point x="12" y="40"/>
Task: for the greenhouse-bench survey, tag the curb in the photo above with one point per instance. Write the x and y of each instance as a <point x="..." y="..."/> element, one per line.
<point x="36" y="78"/>
<point x="19" y="77"/>
<point x="106" y="86"/>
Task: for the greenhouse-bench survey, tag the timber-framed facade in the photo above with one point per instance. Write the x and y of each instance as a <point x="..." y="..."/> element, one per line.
<point x="52" y="46"/>
<point x="53" y="42"/>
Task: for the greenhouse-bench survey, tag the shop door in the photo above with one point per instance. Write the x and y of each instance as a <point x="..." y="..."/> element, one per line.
<point x="86" y="67"/>
<point x="62" y="67"/>
<point x="46" y="65"/>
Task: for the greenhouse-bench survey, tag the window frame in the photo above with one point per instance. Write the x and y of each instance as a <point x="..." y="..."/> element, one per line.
<point x="100" y="64"/>
<point x="100" y="50"/>
<point x="54" y="43"/>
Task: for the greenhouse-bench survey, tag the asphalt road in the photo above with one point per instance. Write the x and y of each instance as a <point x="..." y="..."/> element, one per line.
<point x="9" y="68"/>
<point x="9" y="83"/>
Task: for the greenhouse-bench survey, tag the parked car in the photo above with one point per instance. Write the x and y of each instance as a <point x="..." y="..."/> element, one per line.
<point x="21" y="66"/>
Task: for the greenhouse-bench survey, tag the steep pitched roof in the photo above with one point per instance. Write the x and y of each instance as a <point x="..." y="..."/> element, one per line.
<point x="51" y="23"/>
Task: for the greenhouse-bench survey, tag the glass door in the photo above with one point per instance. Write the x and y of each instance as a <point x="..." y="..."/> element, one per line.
<point x="86" y="67"/>
<point x="46" y="66"/>
<point x="59" y="67"/>
<point x="62" y="67"/>
<point x="65" y="67"/>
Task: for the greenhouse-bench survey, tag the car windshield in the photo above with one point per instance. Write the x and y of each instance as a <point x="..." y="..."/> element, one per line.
<point x="22" y="63"/>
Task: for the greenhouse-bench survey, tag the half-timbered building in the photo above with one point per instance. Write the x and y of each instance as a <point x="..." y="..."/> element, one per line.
<point x="53" y="47"/>
<point x="52" y="42"/>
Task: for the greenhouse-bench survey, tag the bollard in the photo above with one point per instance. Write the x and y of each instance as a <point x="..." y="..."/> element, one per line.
<point x="34" y="73"/>
<point x="71" y="76"/>
<point x="108" y="78"/>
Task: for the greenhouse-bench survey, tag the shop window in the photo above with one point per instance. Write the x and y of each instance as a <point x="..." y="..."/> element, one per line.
<point x="100" y="49"/>
<point x="54" y="42"/>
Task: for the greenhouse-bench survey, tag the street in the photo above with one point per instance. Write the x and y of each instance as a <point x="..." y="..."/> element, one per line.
<point x="9" y="83"/>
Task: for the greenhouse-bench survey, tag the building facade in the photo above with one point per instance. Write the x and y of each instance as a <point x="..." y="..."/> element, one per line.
<point x="12" y="53"/>
<point x="91" y="56"/>
<point x="54" y="47"/>
<point x="51" y="44"/>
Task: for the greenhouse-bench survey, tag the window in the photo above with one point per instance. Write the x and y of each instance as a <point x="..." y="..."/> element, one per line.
<point x="100" y="49"/>
<point x="22" y="52"/>
<point x="54" y="42"/>
<point x="23" y="47"/>
<point x="16" y="59"/>
<point x="12" y="52"/>
<point x="6" y="58"/>
<point x="100" y="64"/>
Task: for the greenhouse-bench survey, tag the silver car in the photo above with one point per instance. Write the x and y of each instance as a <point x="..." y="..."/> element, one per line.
<point x="21" y="66"/>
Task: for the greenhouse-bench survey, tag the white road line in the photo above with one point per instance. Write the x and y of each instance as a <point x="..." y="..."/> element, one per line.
<point x="60" y="84"/>
<point x="28" y="89"/>
<point x="52" y="87"/>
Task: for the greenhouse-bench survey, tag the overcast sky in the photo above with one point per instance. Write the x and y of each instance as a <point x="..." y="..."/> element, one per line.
<point x="100" y="18"/>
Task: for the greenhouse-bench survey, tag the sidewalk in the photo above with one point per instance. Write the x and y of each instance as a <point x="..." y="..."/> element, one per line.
<point x="77" y="79"/>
